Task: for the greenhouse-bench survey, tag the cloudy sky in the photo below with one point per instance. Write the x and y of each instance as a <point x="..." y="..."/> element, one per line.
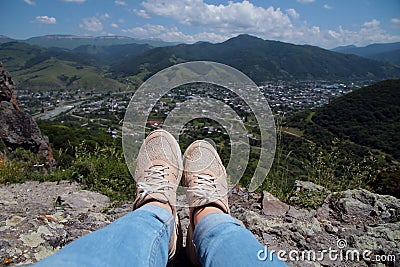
<point x="325" y="23"/>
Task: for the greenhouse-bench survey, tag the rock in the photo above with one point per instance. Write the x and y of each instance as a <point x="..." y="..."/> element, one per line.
<point x="329" y="228"/>
<point x="34" y="226"/>
<point x="84" y="200"/>
<point x="18" y="129"/>
<point x="273" y="206"/>
<point x="7" y="88"/>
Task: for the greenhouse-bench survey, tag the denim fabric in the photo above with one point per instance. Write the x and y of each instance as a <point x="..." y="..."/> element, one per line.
<point x="221" y="241"/>
<point x="139" y="238"/>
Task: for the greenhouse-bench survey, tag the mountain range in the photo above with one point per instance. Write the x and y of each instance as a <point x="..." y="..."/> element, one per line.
<point x="263" y="60"/>
<point x="384" y="52"/>
<point x="72" y="41"/>
<point x="77" y="62"/>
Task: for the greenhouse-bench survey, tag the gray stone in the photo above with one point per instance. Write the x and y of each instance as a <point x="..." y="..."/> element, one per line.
<point x="36" y="228"/>
<point x="84" y="200"/>
<point x="329" y="228"/>
<point x="272" y="206"/>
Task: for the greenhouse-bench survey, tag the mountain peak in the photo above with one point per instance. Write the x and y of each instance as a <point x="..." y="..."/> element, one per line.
<point x="246" y="37"/>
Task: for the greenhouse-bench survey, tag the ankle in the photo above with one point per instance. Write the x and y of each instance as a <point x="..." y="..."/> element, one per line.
<point x="162" y="205"/>
<point x="202" y="212"/>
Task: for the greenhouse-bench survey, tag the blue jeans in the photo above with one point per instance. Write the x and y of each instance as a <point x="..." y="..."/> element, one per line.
<point x="141" y="238"/>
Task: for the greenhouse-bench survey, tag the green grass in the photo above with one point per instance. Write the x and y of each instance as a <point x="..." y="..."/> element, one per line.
<point x="58" y="74"/>
<point x="293" y="131"/>
<point x="15" y="55"/>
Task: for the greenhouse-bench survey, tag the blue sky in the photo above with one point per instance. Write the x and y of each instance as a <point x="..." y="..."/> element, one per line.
<point x="325" y="23"/>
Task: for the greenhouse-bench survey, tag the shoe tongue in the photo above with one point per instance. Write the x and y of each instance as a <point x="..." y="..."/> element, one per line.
<point x="156" y="166"/>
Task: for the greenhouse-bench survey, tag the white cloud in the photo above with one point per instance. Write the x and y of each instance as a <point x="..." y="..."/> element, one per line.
<point x="104" y="16"/>
<point x="172" y="34"/>
<point x="114" y="25"/>
<point x="368" y="34"/>
<point x="216" y="23"/>
<point x="141" y="13"/>
<point x="232" y="18"/>
<point x="305" y="1"/>
<point x="74" y="1"/>
<point x="372" y="23"/>
<point x="92" y="24"/>
<point x="395" y="22"/>
<point x="293" y="13"/>
<point x="120" y="3"/>
<point x="30" y="2"/>
<point x="46" y="20"/>
<point x="326" y="6"/>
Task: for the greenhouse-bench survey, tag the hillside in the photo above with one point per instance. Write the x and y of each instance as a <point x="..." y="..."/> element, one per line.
<point x="110" y="54"/>
<point x="58" y="74"/>
<point x="15" y="55"/>
<point x="263" y="60"/>
<point x="384" y="52"/>
<point x="363" y="126"/>
<point x="369" y="116"/>
<point x="38" y="68"/>
<point x="5" y="39"/>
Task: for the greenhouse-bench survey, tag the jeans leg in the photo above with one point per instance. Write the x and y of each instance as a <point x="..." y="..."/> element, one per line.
<point x="221" y="241"/>
<point x="139" y="238"/>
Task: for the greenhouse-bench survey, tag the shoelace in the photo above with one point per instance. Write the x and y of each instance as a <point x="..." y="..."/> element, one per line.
<point x="154" y="181"/>
<point x="206" y="188"/>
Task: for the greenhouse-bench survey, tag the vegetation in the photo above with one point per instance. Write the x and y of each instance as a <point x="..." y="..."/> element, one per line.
<point x="350" y="143"/>
<point x="263" y="60"/>
<point x="384" y="52"/>
<point x="362" y="126"/>
<point x="93" y="62"/>
<point x="53" y="74"/>
<point x="91" y="158"/>
<point x="368" y="117"/>
<point x="38" y="68"/>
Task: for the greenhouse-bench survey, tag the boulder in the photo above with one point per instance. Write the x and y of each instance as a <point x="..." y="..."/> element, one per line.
<point x="272" y="206"/>
<point x="18" y="129"/>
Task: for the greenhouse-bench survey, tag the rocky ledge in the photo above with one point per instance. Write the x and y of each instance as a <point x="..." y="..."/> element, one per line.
<point x="37" y="219"/>
<point x="18" y="129"/>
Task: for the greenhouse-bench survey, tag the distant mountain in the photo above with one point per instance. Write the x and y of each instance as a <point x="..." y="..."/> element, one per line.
<point x="55" y="74"/>
<point x="5" y="39"/>
<point x="15" y="55"/>
<point x="263" y="60"/>
<point x="385" y="52"/>
<point x="111" y="54"/>
<point x="72" y="41"/>
<point x="18" y="55"/>
<point x="38" y="68"/>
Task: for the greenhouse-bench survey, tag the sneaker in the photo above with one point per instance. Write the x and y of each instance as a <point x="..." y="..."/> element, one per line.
<point x="158" y="173"/>
<point x="205" y="180"/>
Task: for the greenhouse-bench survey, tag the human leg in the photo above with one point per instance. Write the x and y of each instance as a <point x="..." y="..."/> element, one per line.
<point x="149" y="236"/>
<point x="139" y="238"/>
<point x="214" y="237"/>
<point x="221" y="241"/>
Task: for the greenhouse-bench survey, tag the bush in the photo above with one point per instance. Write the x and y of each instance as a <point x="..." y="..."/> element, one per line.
<point x="103" y="170"/>
<point x="23" y="165"/>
